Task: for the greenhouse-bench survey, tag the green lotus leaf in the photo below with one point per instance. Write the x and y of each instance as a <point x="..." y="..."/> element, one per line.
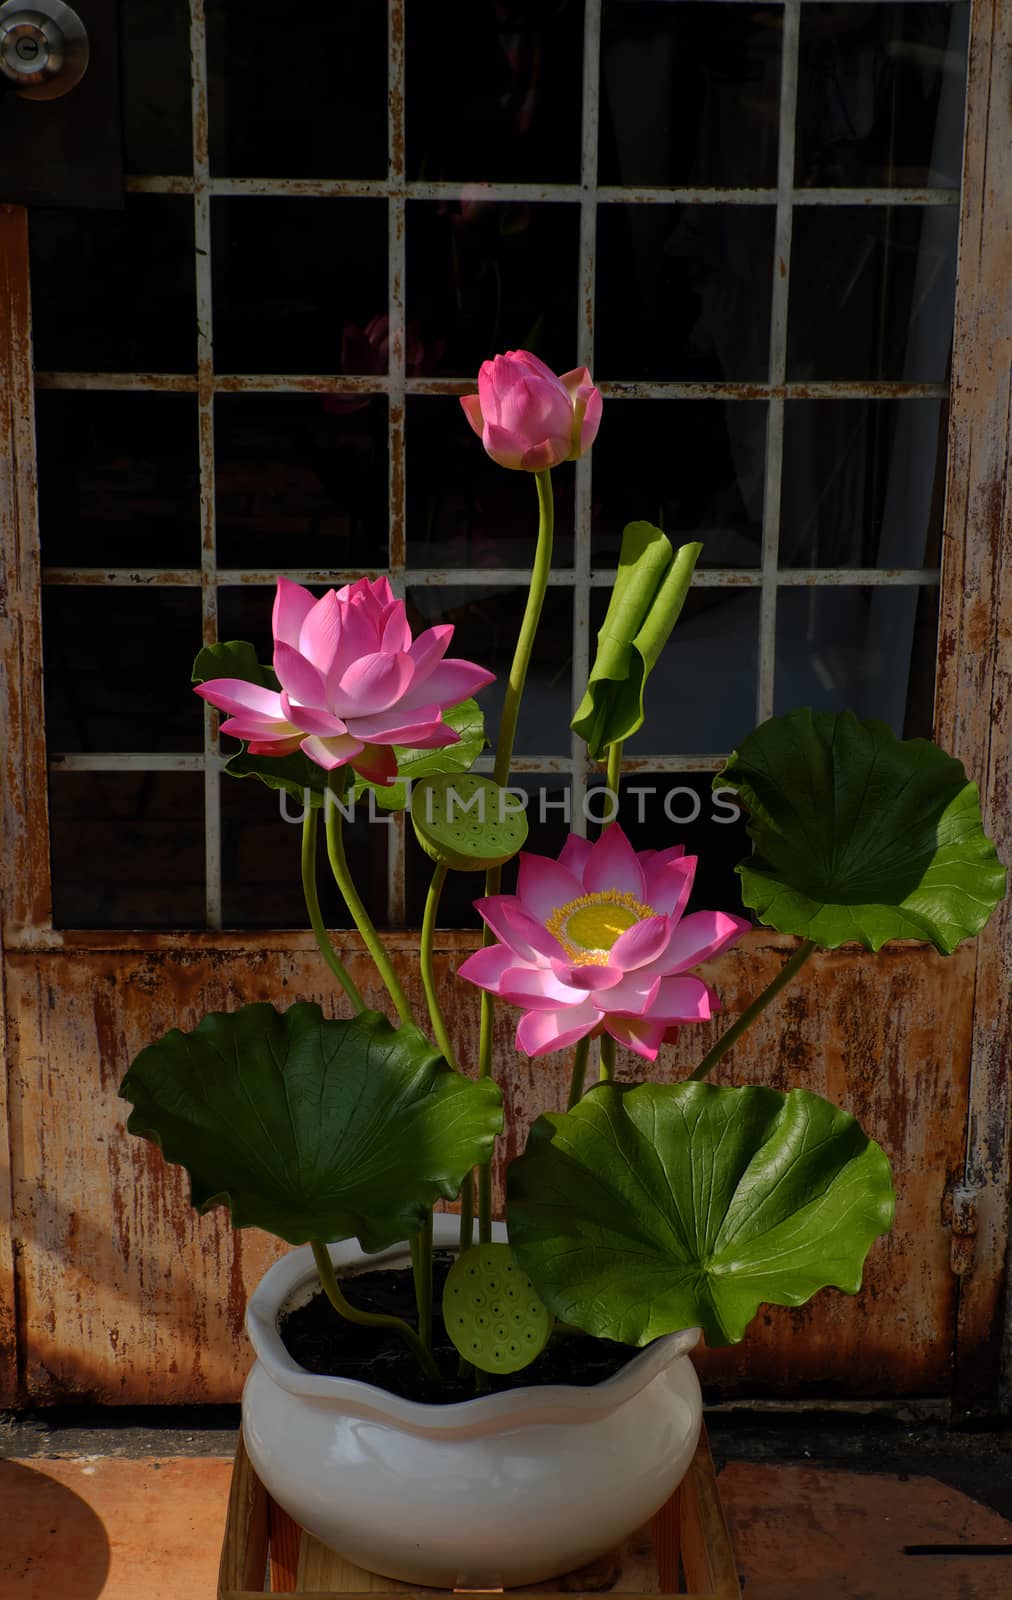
<point x="649" y="592"/>
<point x="860" y="835"/>
<point x="467" y="720"/>
<point x="467" y="822"/>
<point x="663" y="1206"/>
<point x="309" y="1127"/>
<point x="236" y="658"/>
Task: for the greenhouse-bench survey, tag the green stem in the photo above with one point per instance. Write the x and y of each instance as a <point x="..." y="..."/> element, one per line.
<point x="369" y="1319"/>
<point x="501" y="773"/>
<point x="579" y="1072"/>
<point x="615" y="769"/>
<point x="750" y="1013"/>
<point x="425" y="962"/>
<point x="327" y="951"/>
<point x="421" y="1262"/>
<point x="360" y="916"/>
<point x="607" y="1058"/>
<point x="467" y="1213"/>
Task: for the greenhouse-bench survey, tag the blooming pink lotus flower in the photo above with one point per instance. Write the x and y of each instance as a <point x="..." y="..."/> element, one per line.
<point x="596" y="943"/>
<point x="353" y="682"/>
<point x="528" y="418"/>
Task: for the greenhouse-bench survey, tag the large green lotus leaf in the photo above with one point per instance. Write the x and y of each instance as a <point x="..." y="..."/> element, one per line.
<point x="664" y="1206"/>
<point x="309" y="1127"/>
<point x="649" y="592"/>
<point x="860" y="835"/>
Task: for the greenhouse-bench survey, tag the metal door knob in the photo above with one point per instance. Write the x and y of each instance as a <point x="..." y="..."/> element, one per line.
<point x="43" y="49"/>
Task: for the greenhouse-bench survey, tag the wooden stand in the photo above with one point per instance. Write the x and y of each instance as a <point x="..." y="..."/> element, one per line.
<point x="685" y="1550"/>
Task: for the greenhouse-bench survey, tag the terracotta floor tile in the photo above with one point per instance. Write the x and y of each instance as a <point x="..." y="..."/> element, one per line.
<point x="120" y="1529"/>
<point x="810" y="1534"/>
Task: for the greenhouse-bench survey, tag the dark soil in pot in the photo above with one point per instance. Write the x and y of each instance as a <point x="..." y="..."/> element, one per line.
<point x="322" y="1341"/>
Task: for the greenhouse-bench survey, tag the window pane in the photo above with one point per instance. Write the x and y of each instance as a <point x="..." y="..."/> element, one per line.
<point x="696" y="468"/>
<point x="493" y="92"/>
<point x="869" y="650"/>
<point x="701" y="696"/>
<point x="872" y="292"/>
<point x="157" y="115"/>
<point x="659" y="809"/>
<point x="485" y="277"/>
<point x="296" y="282"/>
<point x="128" y="849"/>
<point x="118" y="479"/>
<point x="299" y="96"/>
<point x="113" y="291"/>
<point x="683" y="292"/>
<point x="880" y="95"/>
<point x="117" y="669"/>
<point x="487" y="621"/>
<point x="301" y="481"/>
<point x="465" y="511"/>
<point x="863" y="483"/>
<point x="689" y="94"/>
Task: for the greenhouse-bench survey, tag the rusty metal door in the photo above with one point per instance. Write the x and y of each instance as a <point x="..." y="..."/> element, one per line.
<point x="110" y="1289"/>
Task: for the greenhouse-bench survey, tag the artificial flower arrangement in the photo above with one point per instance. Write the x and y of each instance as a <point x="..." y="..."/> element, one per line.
<point x="642" y="1208"/>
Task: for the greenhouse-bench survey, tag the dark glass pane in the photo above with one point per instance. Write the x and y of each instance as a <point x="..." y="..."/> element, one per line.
<point x="301" y="481"/>
<point x="117" y="669"/>
<point x="113" y="291"/>
<point x="696" y="468"/>
<point x="246" y="614"/>
<point x="493" y="92"/>
<point x="659" y="809"/>
<point x="880" y="95"/>
<point x="487" y="621"/>
<point x="683" y="292"/>
<point x="872" y="292"/>
<point x="118" y="479"/>
<point x="261" y="837"/>
<point x="700" y="697"/>
<point x="485" y="277"/>
<point x="296" y="282"/>
<point x="463" y="509"/>
<point x="157" y="115"/>
<point x="862" y="483"/>
<point x="689" y="94"/>
<point x="127" y="849"/>
<point x="301" y="95"/>
<point x="868" y="650"/>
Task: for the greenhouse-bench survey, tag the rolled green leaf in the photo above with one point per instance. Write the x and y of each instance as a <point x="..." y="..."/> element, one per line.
<point x="649" y="593"/>
<point x="309" y="1127"/>
<point x="858" y="835"/>
<point x="663" y="1206"/>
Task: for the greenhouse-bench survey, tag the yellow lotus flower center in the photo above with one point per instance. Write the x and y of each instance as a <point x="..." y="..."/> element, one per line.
<point x="588" y="927"/>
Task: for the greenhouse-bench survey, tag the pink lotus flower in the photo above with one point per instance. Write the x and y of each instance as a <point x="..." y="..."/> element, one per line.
<point x="529" y="419"/>
<point x="596" y="943"/>
<point x="353" y="683"/>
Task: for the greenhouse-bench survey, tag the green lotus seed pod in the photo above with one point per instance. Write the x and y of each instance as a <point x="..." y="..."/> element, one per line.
<point x="466" y="822"/>
<point x="492" y="1311"/>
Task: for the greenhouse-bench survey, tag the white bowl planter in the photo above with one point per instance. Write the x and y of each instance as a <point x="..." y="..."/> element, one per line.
<point x="506" y="1489"/>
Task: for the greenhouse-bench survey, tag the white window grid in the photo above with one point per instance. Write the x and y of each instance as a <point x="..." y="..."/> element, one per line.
<point x="581" y="577"/>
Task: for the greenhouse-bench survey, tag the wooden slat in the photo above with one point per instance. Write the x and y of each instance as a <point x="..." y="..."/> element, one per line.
<point x="244" y="1548"/>
<point x="286" y="1540"/>
<point x="707" y="1553"/>
<point x="974" y="693"/>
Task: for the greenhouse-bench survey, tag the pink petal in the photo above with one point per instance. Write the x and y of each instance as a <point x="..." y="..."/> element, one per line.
<point x="576" y="380"/>
<point x="538" y="989"/>
<point x="301" y="679"/>
<point x="329" y="753"/>
<point x="640" y="944"/>
<point x="588" y="422"/>
<point x="396" y="632"/>
<point x="372" y="684"/>
<point x="472" y="411"/>
<point x="502" y="446"/>
<point x="514" y="926"/>
<point x="588" y="977"/>
<point x="359" y="636"/>
<point x="637" y="1033"/>
<point x="534" y="363"/>
<point x="320" y="633"/>
<point x="448" y="683"/>
<point x="235" y="694"/>
<point x="547" y="453"/>
<point x="633" y="997"/>
<point x="683" y="1000"/>
<point x="292" y="604"/>
<point x="612" y="864"/>
<point x="400" y="726"/>
<point x="699" y="937"/>
<point x="543" y="885"/>
<point x="249" y="726"/>
<point x="574" y="855"/>
<point x="271" y="747"/>
<point x="669" y="882"/>
<point x="376" y="763"/>
<point x="309" y="720"/>
<point x="541" y="1032"/>
<point x="429" y="648"/>
<point x="486" y="966"/>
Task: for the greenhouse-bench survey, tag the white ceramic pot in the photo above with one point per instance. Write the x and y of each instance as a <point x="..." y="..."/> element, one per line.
<point x="506" y="1489"/>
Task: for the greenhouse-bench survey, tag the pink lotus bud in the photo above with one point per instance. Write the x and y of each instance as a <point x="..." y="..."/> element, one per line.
<point x="529" y="419"/>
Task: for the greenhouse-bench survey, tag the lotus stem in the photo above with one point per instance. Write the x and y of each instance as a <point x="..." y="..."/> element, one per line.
<point x="421" y="1263"/>
<point x="579" y="1072"/>
<point x="425" y="962"/>
<point x="615" y="770"/>
<point x="750" y="1013"/>
<point x="607" y="1058"/>
<point x="327" y="951"/>
<point x="360" y="916"/>
<point x="369" y="1319"/>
